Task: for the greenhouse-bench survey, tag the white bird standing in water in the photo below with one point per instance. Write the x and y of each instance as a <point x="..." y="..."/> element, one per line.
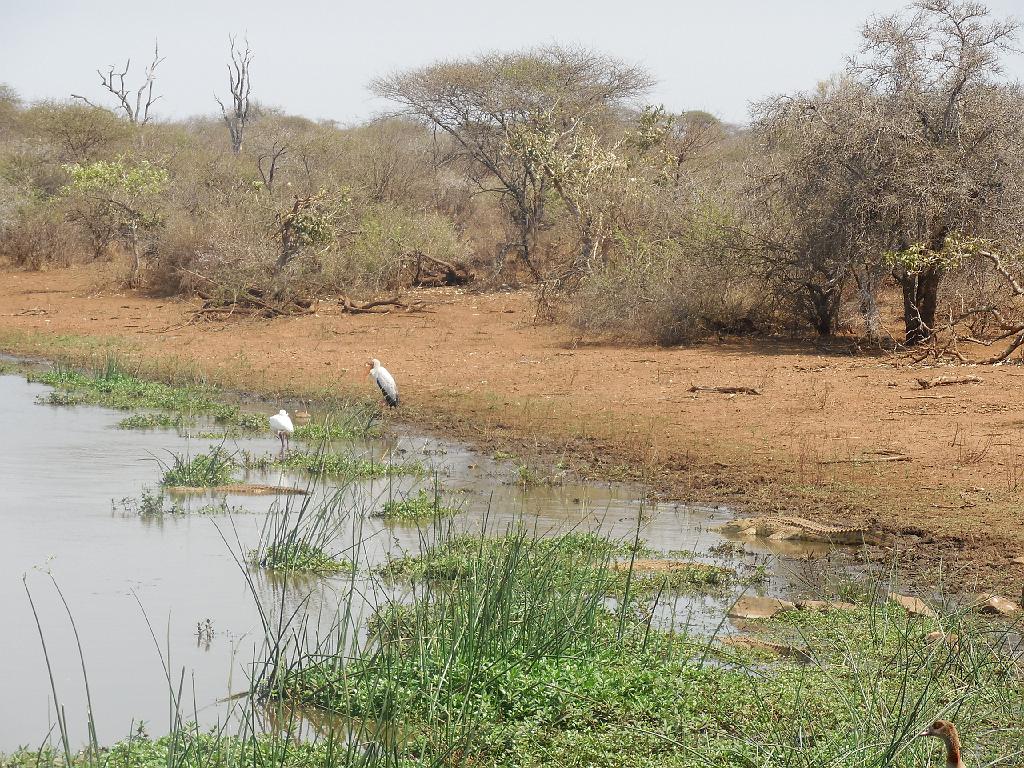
<point x="385" y="381"/>
<point x="281" y="424"/>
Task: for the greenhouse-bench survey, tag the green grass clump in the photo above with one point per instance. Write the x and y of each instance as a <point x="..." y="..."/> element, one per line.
<point x="460" y="556"/>
<point x="61" y="399"/>
<point x="681" y="577"/>
<point x="155" y="502"/>
<point x="115" y="388"/>
<point x="150" y="503"/>
<point x="233" y="416"/>
<point x="191" y="746"/>
<point x="298" y="556"/>
<point x="334" y="429"/>
<point x="422" y="506"/>
<point x="523" y="653"/>
<point x="152" y="421"/>
<point x="326" y="464"/>
<point x="200" y="471"/>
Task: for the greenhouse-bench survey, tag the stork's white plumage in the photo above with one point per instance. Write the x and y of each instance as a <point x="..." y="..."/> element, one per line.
<point x="385" y="381"/>
<point x="281" y="424"/>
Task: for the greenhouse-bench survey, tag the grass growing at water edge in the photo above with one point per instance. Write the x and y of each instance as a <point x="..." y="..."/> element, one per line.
<point x="517" y="647"/>
<point x="338" y="427"/>
<point x="152" y="421"/>
<point x="323" y="463"/>
<point x="113" y="386"/>
<point x="423" y="506"/>
<point x="297" y="556"/>
<point x="200" y="471"/>
<point x="525" y="663"/>
<point x="301" y="535"/>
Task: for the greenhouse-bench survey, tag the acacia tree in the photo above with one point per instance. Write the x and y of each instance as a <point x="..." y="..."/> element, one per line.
<point x="134" y="103"/>
<point x="805" y="222"/>
<point x="949" y="129"/>
<point x="589" y="178"/>
<point x="920" y="140"/>
<point x="118" y="198"/>
<point x="240" y="85"/>
<point x="482" y="103"/>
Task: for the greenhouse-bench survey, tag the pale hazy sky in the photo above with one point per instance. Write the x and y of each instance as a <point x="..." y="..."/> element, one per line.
<point x="315" y="57"/>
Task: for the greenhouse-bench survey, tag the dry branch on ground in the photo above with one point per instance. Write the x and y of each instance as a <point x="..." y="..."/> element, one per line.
<point x="381" y="306"/>
<point x="947" y="381"/>
<point x="727" y="390"/>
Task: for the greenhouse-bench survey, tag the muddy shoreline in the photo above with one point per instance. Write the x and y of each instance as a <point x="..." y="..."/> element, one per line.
<point x="479" y="369"/>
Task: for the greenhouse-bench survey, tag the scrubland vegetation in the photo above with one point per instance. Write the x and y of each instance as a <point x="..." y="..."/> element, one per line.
<point x="895" y="189"/>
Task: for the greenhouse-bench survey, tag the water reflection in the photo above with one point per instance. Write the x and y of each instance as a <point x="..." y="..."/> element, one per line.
<point x="65" y="471"/>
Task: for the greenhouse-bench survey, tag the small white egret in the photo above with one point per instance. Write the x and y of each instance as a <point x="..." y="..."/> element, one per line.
<point x="385" y="381"/>
<point x="281" y="424"/>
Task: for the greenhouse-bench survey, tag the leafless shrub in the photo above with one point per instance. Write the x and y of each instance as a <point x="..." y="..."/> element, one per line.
<point x="660" y="293"/>
<point x="37" y="237"/>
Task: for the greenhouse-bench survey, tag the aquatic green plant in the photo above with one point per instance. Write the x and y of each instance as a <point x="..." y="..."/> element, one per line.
<point x="296" y="556"/>
<point x="114" y="387"/>
<point x="150" y="502"/>
<point x="521" y="650"/>
<point x="203" y="470"/>
<point x="423" y="506"/>
<point x="324" y="463"/>
<point x="60" y="399"/>
<point x="299" y="535"/>
<point x="337" y="427"/>
<point x="151" y="421"/>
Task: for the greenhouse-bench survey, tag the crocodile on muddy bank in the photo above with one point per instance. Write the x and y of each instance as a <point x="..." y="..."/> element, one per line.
<point x="800" y="529"/>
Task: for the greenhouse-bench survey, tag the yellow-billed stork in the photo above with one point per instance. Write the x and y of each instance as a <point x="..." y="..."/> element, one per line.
<point x="385" y="381"/>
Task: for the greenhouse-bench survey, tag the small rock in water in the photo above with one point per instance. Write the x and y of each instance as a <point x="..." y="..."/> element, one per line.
<point x="759" y="607"/>
<point x="995" y="604"/>
<point x="934" y="638"/>
<point x="915" y="606"/>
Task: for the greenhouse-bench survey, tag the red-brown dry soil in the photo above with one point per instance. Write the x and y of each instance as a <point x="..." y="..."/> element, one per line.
<point x="814" y="442"/>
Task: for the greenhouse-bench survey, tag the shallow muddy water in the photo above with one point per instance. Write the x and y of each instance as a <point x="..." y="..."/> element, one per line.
<point x="158" y="597"/>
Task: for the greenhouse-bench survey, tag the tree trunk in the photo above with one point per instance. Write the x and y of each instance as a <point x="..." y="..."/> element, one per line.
<point x="526" y="225"/>
<point x="868" y="283"/>
<point x="133" y="243"/>
<point x="823" y="307"/>
<point x="920" y="298"/>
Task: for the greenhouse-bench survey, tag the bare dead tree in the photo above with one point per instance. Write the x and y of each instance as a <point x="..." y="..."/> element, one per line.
<point x="240" y="86"/>
<point x="267" y="162"/>
<point x="135" y="103"/>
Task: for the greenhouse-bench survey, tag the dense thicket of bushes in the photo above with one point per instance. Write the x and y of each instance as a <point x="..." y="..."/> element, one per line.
<point x="546" y="167"/>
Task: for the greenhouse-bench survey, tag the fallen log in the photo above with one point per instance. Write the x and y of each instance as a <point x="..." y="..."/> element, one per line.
<point x="871" y="458"/>
<point x="436" y="272"/>
<point x="727" y="390"/>
<point x="381" y="306"/>
<point x="947" y="381"/>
